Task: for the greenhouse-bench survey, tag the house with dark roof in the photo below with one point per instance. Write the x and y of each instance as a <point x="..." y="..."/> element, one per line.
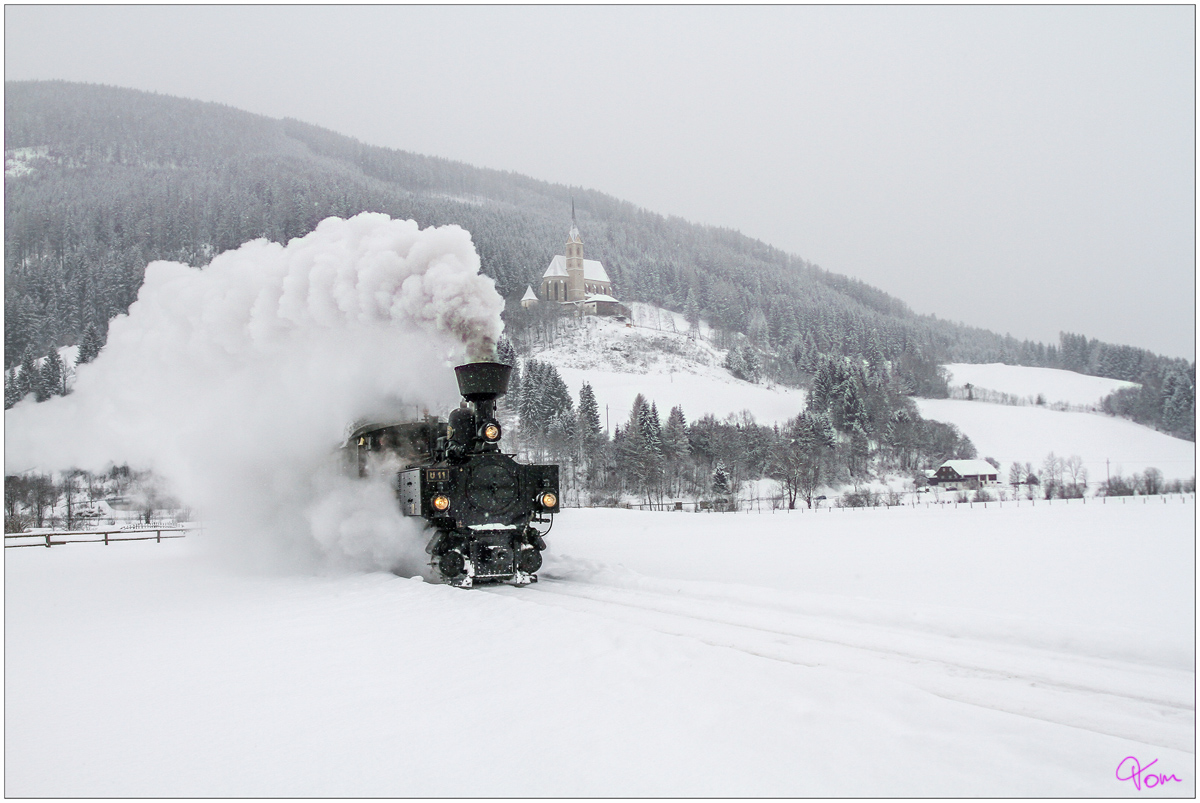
<point x="958" y="474"/>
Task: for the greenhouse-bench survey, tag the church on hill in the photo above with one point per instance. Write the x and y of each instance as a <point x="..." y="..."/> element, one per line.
<point x="572" y="280"/>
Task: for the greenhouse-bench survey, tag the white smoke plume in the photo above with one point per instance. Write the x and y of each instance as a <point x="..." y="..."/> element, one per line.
<point x="236" y="382"/>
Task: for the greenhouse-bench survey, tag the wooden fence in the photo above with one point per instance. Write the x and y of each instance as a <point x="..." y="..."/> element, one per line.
<point x="61" y="537"/>
<point x="776" y="505"/>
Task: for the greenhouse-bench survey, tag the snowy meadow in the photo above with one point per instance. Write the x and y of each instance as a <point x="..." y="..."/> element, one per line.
<point x="910" y="651"/>
<point x="295" y="647"/>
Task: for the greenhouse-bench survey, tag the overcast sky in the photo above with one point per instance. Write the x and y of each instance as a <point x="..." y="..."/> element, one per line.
<point x="1024" y="169"/>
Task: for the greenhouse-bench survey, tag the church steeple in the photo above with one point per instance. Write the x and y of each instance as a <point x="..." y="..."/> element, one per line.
<point x="573" y="235"/>
<point x="576" y="290"/>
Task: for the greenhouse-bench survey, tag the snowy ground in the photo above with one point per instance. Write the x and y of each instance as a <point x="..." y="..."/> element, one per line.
<point x="969" y="651"/>
<point x="1028" y="434"/>
<point x="657" y="359"/>
<point x="1024" y="382"/>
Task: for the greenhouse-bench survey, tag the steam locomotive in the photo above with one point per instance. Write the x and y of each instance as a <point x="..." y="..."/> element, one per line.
<point x="480" y="503"/>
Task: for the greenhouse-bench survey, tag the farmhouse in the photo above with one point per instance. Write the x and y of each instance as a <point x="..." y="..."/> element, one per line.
<point x="954" y="474"/>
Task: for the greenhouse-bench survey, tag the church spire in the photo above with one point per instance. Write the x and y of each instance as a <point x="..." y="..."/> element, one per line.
<point x="573" y="237"/>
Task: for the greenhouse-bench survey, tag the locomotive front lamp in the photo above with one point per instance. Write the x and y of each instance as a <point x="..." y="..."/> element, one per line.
<point x="549" y="500"/>
<point x="491" y="432"/>
<point x="440" y="503"/>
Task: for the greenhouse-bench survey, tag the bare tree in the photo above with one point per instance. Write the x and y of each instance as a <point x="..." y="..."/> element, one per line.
<point x="1152" y="481"/>
<point x="1052" y="475"/>
<point x="1078" y="474"/>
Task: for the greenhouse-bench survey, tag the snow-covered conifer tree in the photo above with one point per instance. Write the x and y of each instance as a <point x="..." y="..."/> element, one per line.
<point x="29" y="371"/>
<point x="675" y="447"/>
<point x="54" y="375"/>
<point x="735" y="362"/>
<point x="90" y="346"/>
<point x="11" y="391"/>
<point x="752" y="363"/>
<point x="43" y="383"/>
<point x="589" y="412"/>
<point x="720" y="479"/>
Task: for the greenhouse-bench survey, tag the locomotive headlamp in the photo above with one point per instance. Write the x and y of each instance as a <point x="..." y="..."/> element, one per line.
<point x="491" y="432"/>
<point x="440" y="502"/>
<point x="549" y="500"/>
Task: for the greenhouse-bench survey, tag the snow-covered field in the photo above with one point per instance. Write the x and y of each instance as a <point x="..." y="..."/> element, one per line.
<point x="1024" y="382"/>
<point x="1027" y="434"/>
<point x="928" y="651"/>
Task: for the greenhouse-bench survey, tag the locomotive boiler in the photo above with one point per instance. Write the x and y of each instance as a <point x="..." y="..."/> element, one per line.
<point x="481" y="505"/>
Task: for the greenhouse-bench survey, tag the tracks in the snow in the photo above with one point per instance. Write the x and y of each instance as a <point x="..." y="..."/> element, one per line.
<point x="1150" y="704"/>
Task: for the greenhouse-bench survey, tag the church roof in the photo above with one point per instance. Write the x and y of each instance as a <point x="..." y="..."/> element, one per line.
<point x="593" y="271"/>
<point x="529" y="294"/>
<point x="601" y="297"/>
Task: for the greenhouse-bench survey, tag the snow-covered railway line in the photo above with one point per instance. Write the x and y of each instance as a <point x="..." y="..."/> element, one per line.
<point x="1142" y="702"/>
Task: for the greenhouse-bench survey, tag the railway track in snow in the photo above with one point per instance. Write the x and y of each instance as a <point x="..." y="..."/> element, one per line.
<point x="1138" y="701"/>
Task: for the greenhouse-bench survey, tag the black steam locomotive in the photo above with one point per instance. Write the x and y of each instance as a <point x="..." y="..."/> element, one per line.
<point x="480" y="503"/>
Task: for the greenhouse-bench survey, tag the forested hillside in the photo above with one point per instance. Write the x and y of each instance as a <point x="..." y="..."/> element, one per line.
<point x="100" y="181"/>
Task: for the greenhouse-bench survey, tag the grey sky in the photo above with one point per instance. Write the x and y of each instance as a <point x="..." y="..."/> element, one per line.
<point x="1025" y="169"/>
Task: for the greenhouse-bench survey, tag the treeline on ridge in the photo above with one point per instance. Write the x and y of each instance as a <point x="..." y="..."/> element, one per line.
<point x="105" y="180"/>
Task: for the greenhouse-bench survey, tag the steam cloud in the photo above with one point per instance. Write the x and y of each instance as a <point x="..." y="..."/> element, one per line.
<point x="236" y="382"/>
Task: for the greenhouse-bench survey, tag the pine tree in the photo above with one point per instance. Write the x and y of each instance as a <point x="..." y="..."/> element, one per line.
<point x="90" y="347"/>
<point x="54" y="379"/>
<point x="675" y="447"/>
<point x="1179" y="404"/>
<point x="589" y="413"/>
<point x="753" y="366"/>
<point x="43" y="385"/>
<point x="652" y="438"/>
<point x="691" y="311"/>
<point x="720" y="479"/>
<point x="11" y="392"/>
<point x="674" y="436"/>
<point x="735" y="362"/>
<point x="29" y="374"/>
<point x="505" y="353"/>
<point x="558" y="401"/>
<point x="821" y="396"/>
<point x="530" y="409"/>
<point x="632" y="450"/>
<point x="512" y="399"/>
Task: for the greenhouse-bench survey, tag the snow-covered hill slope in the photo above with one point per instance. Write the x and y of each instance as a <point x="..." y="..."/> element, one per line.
<point x="1027" y="383"/>
<point x="1028" y="434"/>
<point x="897" y="652"/>
<point x="655" y="357"/>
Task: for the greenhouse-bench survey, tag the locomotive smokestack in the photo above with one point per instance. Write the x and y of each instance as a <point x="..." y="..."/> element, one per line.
<point x="482" y="381"/>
